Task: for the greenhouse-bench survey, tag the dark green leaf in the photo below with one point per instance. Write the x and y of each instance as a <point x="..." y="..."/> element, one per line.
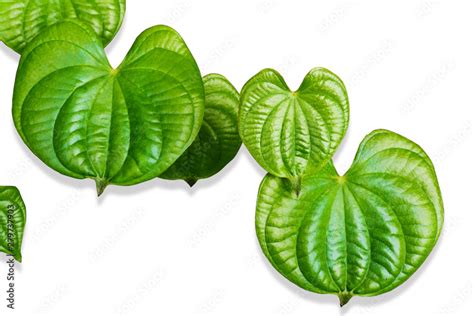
<point x="12" y="221"/>
<point x="218" y="141"/>
<point x="22" y="20"/>
<point x="363" y="233"/>
<point x="118" y="126"/>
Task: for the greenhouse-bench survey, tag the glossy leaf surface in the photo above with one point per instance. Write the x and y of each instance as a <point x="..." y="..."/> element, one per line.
<point x="12" y="221"/>
<point x="118" y="126"/>
<point x="293" y="133"/>
<point x="22" y="20"/>
<point x="218" y="140"/>
<point x="363" y="233"/>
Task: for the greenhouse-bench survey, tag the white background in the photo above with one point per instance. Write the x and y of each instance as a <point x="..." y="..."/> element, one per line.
<point x="162" y="249"/>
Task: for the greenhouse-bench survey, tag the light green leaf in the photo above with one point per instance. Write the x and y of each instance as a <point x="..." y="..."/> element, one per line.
<point x="218" y="141"/>
<point x="293" y="133"/>
<point x="12" y="221"/>
<point x="118" y="126"/>
<point x="363" y="233"/>
<point x="22" y="20"/>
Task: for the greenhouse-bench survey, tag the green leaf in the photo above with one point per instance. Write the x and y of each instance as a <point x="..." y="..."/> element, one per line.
<point x="22" y="20"/>
<point x="363" y="233"/>
<point x="12" y="221"/>
<point x="293" y="133"/>
<point x="218" y="141"/>
<point x="118" y="126"/>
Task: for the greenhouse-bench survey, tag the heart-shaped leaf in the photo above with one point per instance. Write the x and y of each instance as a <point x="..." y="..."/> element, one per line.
<point x="218" y="141"/>
<point x="22" y="20"/>
<point x="118" y="126"/>
<point x="293" y="133"/>
<point x="12" y="221"/>
<point x="363" y="233"/>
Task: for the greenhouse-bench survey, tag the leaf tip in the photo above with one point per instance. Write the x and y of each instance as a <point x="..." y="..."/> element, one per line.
<point x="101" y="185"/>
<point x="18" y="257"/>
<point x="296" y="185"/>
<point x="344" y="298"/>
<point x="191" y="182"/>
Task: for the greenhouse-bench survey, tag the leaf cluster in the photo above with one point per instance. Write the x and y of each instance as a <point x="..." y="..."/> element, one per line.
<point x="363" y="233"/>
<point x="153" y="116"/>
